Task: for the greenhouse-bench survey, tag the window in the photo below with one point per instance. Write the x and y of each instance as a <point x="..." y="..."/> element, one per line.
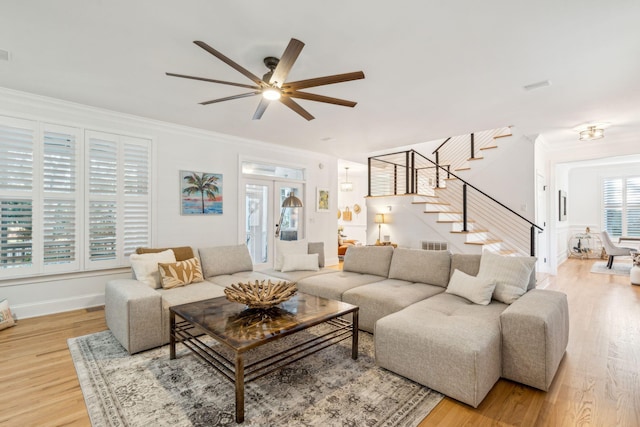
<point x="51" y="219"/>
<point x="621" y="200"/>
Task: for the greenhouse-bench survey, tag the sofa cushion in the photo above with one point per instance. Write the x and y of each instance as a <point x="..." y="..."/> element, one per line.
<point x="289" y="247"/>
<point x="475" y="289"/>
<point x="182" y="253"/>
<point x="225" y="280"/>
<point x="145" y="266"/>
<point x="373" y="260"/>
<point x="379" y="299"/>
<point x="296" y="262"/>
<point x="180" y="273"/>
<point x="416" y="265"/>
<point x="510" y="273"/>
<point x="467" y="263"/>
<point x="296" y="276"/>
<point x="317" y="248"/>
<point x="333" y="285"/>
<point x="220" y="260"/>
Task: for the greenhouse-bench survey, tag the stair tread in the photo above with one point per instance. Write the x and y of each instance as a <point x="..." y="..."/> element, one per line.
<point x="462" y="169"/>
<point x="484" y="242"/>
<point x="474" y="158"/>
<point x="468" y="231"/>
<point x="489" y="147"/>
<point x="503" y="136"/>
<point x="444" y="212"/>
<point x="453" y="221"/>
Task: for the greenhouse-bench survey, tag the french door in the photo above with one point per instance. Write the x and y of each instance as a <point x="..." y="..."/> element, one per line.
<point x="263" y="211"/>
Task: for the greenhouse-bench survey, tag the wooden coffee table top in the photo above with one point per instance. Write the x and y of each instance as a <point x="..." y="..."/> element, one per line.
<point x="242" y="328"/>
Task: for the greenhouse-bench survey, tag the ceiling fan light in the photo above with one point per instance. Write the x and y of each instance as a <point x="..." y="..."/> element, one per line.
<point x="591" y="133"/>
<point x="271" y="94"/>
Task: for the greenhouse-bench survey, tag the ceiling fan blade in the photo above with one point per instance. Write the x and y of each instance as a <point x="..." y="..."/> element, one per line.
<point x="264" y="103"/>
<point x="321" y="81"/>
<point x="257" y="80"/>
<point x="212" y="80"/>
<point x="286" y="62"/>
<point x="229" y="98"/>
<point x="321" y="98"/>
<point x="296" y="107"/>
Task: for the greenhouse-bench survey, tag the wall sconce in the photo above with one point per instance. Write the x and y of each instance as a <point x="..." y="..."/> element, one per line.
<point x="379" y="219"/>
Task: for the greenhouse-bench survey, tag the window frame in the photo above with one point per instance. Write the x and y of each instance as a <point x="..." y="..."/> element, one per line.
<point x="44" y="196"/>
<point x="624" y="206"/>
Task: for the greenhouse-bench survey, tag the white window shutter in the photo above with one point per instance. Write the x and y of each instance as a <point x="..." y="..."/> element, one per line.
<point x="16" y="196"/>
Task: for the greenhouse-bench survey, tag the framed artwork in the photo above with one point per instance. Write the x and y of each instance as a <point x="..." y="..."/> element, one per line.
<point x="322" y="200"/>
<point x="200" y="193"/>
<point x="562" y="205"/>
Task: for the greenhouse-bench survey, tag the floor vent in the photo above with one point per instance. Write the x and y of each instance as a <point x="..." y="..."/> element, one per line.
<point x="435" y="246"/>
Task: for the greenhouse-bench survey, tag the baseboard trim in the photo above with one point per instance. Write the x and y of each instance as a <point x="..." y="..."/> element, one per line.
<point x="43" y="308"/>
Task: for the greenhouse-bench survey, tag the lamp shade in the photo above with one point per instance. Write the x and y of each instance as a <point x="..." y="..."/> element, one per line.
<point x="292" y="202"/>
<point x="379" y="219"/>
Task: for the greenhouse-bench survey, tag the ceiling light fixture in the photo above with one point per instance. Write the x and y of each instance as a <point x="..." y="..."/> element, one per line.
<point x="346" y="185"/>
<point x="271" y="94"/>
<point x="591" y="133"/>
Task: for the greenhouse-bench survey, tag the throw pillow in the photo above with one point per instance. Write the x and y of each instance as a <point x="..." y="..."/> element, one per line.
<point x="295" y="262"/>
<point x="145" y="266"/>
<point x="285" y="247"/>
<point x="510" y="273"/>
<point x="180" y="273"/>
<point x="475" y="289"/>
<point x="6" y="318"/>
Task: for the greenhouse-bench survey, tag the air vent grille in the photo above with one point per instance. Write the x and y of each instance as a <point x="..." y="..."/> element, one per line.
<point x="435" y="246"/>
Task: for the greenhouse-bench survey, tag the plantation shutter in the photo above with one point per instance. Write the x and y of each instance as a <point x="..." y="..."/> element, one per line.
<point x="16" y="194"/>
<point x="103" y="184"/>
<point x="60" y="206"/>
<point x="119" y="198"/>
<point x="136" y="195"/>
<point x="633" y="207"/>
<point x="612" y="200"/>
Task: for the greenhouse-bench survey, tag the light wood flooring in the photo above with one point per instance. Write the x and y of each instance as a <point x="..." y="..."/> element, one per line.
<point x="598" y="383"/>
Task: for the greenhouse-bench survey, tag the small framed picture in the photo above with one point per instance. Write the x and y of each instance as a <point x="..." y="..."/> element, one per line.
<point x="322" y="200"/>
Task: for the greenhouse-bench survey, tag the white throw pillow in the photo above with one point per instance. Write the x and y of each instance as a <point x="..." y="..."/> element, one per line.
<point x="285" y="247"/>
<point x="145" y="266"/>
<point x="510" y="273"/>
<point x="475" y="289"/>
<point x="294" y="262"/>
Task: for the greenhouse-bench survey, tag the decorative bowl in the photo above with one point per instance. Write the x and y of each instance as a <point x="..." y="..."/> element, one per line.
<point x="260" y="294"/>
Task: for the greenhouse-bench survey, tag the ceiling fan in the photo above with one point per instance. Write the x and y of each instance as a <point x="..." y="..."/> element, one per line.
<point x="273" y="85"/>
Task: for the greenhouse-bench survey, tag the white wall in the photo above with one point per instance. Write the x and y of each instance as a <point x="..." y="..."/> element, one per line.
<point x="175" y="148"/>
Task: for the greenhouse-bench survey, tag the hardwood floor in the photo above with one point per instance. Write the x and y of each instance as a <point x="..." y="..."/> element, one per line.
<point x="598" y="382"/>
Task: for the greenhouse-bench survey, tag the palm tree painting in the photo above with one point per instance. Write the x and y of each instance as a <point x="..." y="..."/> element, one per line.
<point x="201" y="193"/>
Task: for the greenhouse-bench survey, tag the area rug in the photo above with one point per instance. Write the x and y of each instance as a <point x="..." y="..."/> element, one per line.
<point x="618" y="269"/>
<point x="327" y="388"/>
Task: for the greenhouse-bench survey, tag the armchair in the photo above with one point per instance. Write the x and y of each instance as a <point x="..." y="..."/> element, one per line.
<point x="613" y="250"/>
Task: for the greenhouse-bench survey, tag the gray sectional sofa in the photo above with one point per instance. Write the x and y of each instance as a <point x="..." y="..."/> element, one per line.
<point x="421" y="330"/>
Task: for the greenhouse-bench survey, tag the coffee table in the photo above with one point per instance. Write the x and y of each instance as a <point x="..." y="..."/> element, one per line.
<point x="240" y="330"/>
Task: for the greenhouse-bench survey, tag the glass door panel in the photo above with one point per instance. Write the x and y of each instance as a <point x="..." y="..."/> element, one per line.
<point x="292" y="219"/>
<point x="258" y="220"/>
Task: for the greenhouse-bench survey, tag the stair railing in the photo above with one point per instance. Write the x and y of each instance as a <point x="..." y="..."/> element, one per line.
<point x="409" y="172"/>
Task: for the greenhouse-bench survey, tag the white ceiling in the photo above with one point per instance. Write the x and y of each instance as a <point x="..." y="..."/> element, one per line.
<point x="433" y="69"/>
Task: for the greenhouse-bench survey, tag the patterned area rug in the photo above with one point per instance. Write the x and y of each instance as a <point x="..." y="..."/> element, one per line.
<point x="327" y="388"/>
<point x="618" y="269"/>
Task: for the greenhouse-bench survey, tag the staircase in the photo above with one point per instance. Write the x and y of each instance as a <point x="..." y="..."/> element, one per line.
<point x="473" y="217"/>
